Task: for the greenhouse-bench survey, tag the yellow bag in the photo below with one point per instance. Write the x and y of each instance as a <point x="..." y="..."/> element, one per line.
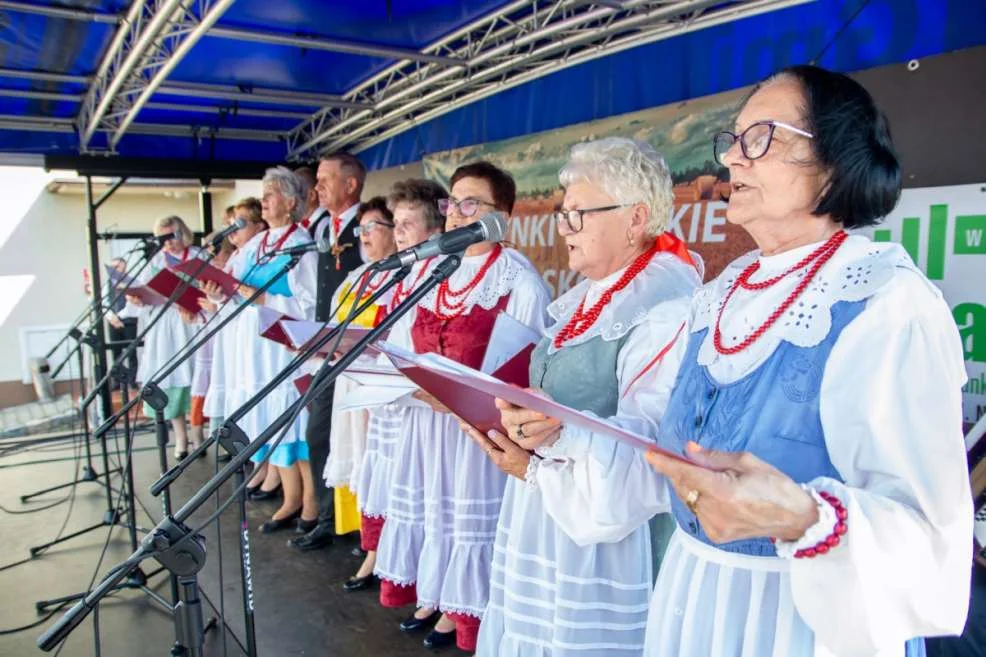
<point x="347" y="511"/>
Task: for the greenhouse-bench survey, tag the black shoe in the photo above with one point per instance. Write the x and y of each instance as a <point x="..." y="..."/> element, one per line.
<point x="414" y="624"/>
<point x="437" y="640"/>
<point x="272" y="526"/>
<point x="318" y="538"/>
<point x="251" y="490"/>
<point x="261" y="494"/>
<point x="360" y="583"/>
<point x="180" y="456"/>
<point x="305" y="526"/>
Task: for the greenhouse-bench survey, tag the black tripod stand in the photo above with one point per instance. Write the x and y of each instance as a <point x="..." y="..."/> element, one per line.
<point x="93" y="340"/>
<point x="182" y="550"/>
<point x="136" y="579"/>
<point x="234" y="440"/>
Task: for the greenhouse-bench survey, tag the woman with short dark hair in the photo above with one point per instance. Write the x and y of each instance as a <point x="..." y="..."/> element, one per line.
<point x="827" y="510"/>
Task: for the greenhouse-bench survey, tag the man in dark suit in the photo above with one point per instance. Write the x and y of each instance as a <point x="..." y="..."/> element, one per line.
<point x="339" y="185"/>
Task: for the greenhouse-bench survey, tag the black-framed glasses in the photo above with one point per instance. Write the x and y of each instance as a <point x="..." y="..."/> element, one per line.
<point x="467" y="207"/>
<point x="573" y="219"/>
<point x="754" y="141"/>
<point x="370" y="226"/>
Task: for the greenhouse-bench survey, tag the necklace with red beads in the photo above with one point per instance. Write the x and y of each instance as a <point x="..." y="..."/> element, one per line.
<point x="263" y="250"/>
<point x="371" y="287"/>
<point x="400" y="293"/>
<point x="582" y="320"/>
<point x="814" y="261"/>
<point x="454" y="301"/>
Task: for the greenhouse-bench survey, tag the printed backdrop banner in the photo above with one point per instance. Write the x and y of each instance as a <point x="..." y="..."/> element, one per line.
<point x="943" y="228"/>
<point x="944" y="231"/>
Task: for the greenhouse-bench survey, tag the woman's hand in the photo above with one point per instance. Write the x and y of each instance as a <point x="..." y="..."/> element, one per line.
<point x="114" y="320"/>
<point x="246" y="292"/>
<point x="134" y="300"/>
<point x="739" y="496"/>
<point x="528" y="428"/>
<point x="207" y="305"/>
<point x="213" y="292"/>
<point x="431" y="400"/>
<point x="505" y="454"/>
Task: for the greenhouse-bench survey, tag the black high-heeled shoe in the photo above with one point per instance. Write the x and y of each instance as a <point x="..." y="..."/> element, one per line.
<point x="359" y="583"/>
<point x="180" y="456"/>
<point x="414" y="624"/>
<point x="272" y="525"/>
<point x="437" y="640"/>
<point x="260" y="494"/>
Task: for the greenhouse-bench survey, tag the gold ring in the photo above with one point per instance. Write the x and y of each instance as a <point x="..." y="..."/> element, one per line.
<point x="692" y="499"/>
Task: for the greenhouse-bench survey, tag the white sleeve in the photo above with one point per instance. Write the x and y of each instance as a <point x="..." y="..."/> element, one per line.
<point x="303" y="281"/>
<point x="891" y="411"/>
<point x="600" y="490"/>
<point x="528" y="302"/>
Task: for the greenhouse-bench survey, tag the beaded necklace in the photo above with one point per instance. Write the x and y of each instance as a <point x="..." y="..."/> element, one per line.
<point x="455" y="300"/>
<point x="814" y="261"/>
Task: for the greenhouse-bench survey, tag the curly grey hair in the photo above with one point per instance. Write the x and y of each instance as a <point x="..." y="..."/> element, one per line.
<point x="291" y="186"/>
<point x="629" y="170"/>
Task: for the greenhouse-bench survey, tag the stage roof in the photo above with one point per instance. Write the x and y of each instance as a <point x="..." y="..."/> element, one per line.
<point x="255" y="81"/>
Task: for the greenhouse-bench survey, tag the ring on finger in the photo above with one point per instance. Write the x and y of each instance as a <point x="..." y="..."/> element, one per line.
<point x="691" y="499"/>
<point x="520" y="431"/>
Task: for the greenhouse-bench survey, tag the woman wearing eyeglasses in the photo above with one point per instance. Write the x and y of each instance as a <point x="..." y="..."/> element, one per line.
<point x="414" y="203"/>
<point x="551" y="595"/>
<point x="169" y="334"/>
<point x="828" y="510"/>
<point x="375" y="232"/>
<point x="444" y="562"/>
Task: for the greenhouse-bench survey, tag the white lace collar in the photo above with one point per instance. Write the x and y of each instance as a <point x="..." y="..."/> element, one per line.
<point x="858" y="270"/>
<point x="499" y="281"/>
<point x="665" y="278"/>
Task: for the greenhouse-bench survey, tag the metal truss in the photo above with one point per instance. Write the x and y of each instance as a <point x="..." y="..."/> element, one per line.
<point x="150" y="42"/>
<point x="67" y="125"/>
<point x="520" y="42"/>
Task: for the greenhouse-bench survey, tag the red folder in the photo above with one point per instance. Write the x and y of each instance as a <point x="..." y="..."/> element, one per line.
<point x="270" y="326"/>
<point x="302" y="333"/>
<point x="471" y="395"/>
<point x="303" y="382"/>
<point x="205" y="272"/>
<point x="160" y="288"/>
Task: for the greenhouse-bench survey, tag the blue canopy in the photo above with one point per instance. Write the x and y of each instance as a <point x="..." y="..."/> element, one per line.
<point x="263" y="69"/>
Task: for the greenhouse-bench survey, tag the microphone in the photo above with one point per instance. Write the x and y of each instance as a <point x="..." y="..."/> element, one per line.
<point x="240" y="223"/>
<point x="490" y="228"/>
<point x="322" y="245"/>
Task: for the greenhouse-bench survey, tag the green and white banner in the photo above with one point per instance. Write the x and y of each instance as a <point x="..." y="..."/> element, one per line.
<point x="944" y="230"/>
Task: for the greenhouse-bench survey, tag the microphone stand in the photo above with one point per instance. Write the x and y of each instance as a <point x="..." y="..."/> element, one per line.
<point x="180" y="549"/>
<point x="112" y="516"/>
<point x="234" y="440"/>
<point x="88" y="473"/>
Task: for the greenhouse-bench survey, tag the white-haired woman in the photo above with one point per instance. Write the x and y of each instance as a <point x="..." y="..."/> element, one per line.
<point x="551" y="595"/>
<point x="169" y="334"/>
<point x="259" y="360"/>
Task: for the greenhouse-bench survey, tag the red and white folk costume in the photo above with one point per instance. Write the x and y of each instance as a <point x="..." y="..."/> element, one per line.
<point x="446" y="493"/>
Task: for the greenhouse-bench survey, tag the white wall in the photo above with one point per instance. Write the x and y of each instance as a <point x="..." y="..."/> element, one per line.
<point x="44" y="248"/>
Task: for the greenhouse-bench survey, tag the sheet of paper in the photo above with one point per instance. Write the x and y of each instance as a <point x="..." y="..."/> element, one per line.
<point x="366" y="397"/>
<point x="507" y="339"/>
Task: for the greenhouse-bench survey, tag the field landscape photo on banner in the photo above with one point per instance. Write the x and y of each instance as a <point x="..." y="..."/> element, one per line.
<point x="942" y="228"/>
<point x="681" y="132"/>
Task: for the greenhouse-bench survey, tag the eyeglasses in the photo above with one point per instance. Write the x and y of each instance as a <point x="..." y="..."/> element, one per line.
<point x="370" y="226"/>
<point x="754" y="141"/>
<point x="573" y="219"/>
<point x="467" y="207"/>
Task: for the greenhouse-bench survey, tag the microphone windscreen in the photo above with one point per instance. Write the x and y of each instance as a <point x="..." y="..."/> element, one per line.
<point x="494" y="226"/>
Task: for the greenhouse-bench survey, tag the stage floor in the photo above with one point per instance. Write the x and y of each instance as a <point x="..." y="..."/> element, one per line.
<point x="301" y="608"/>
